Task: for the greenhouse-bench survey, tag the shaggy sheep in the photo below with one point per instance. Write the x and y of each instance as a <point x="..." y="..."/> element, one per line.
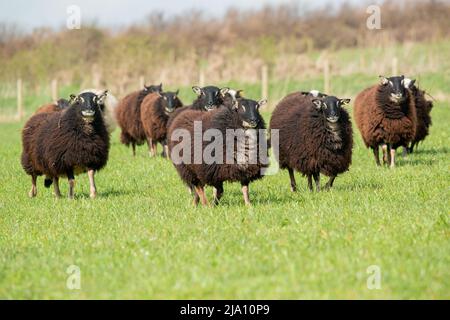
<point x="156" y="109"/>
<point x="108" y="109"/>
<point x="423" y="109"/>
<point x="66" y="143"/>
<point x="315" y="136"/>
<point x="386" y="115"/>
<point x="241" y="164"/>
<point x="128" y="115"/>
<point x="54" y="107"/>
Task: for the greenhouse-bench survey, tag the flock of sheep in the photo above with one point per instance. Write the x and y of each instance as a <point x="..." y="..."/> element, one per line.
<point x="72" y="136"/>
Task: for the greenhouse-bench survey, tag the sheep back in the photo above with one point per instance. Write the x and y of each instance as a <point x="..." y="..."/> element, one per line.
<point x="423" y="109"/>
<point x="128" y="114"/>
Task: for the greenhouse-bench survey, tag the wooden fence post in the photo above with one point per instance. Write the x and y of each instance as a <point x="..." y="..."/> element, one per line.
<point x="326" y="77"/>
<point x="54" y="90"/>
<point x="201" y="78"/>
<point x="394" y="66"/>
<point x="19" y="99"/>
<point x="265" y="82"/>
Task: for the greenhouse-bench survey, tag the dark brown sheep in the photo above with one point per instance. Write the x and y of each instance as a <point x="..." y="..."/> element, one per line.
<point x="315" y="136"/>
<point x="227" y="163"/>
<point x="66" y="143"/>
<point x="156" y="109"/>
<point x="386" y="115"/>
<point x="423" y="110"/>
<point x="128" y="115"/>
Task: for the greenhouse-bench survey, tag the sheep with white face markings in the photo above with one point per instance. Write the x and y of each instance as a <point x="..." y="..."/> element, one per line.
<point x="108" y="109"/>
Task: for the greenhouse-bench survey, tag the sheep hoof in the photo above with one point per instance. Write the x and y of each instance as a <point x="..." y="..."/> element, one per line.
<point x="293" y="189"/>
<point x="93" y="195"/>
<point x="32" y="194"/>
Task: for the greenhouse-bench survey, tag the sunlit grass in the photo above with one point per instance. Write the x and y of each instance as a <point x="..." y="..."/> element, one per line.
<point x="141" y="238"/>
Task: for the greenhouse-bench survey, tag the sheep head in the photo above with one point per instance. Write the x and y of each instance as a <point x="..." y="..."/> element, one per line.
<point x="211" y="96"/>
<point x="396" y="87"/>
<point x="170" y="101"/>
<point x="248" y="111"/>
<point x="330" y="107"/>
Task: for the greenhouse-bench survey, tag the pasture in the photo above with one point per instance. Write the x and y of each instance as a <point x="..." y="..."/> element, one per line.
<point x="142" y="238"/>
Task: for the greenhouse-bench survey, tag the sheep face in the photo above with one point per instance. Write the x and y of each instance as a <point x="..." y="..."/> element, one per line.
<point x="396" y="87"/>
<point x="330" y="107"/>
<point x="88" y="104"/>
<point x="212" y="97"/>
<point x="248" y="111"/>
<point x="153" y="88"/>
<point x="170" y="101"/>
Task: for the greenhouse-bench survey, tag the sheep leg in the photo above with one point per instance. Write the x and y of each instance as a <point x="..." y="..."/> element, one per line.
<point x="154" y="149"/>
<point x="330" y="183"/>
<point x="310" y="186"/>
<point x="201" y="193"/>
<point x="384" y="147"/>
<point x="133" y="146"/>
<point x="405" y="151"/>
<point x="317" y="181"/>
<point x="392" y="153"/>
<point x="33" y="191"/>
<point x="218" y="192"/>
<point x="165" y="153"/>
<point x="411" y="148"/>
<point x="376" y="154"/>
<point x="292" y="178"/>
<point x="56" y="187"/>
<point x="92" y="187"/>
<point x="245" y="194"/>
<point x="71" y="179"/>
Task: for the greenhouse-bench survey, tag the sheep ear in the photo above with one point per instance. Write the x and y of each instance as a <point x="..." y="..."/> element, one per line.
<point x="177" y="92"/>
<point x="224" y="91"/>
<point x="317" y="103"/>
<point x="240" y="94"/>
<point x="344" y="101"/>
<point x="197" y="90"/>
<point x="262" y="102"/>
<point x="72" y="99"/>
<point x="160" y="87"/>
<point x="408" y="83"/>
<point x="383" y="80"/>
<point x="101" y="98"/>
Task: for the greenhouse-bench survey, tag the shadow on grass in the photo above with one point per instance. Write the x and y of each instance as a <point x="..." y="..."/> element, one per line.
<point x="104" y="194"/>
<point x="433" y="151"/>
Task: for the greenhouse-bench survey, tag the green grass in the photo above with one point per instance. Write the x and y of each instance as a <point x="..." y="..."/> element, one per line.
<point x="141" y="238"/>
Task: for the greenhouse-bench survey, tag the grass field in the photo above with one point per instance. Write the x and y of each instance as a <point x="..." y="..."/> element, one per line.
<point x="141" y="238"/>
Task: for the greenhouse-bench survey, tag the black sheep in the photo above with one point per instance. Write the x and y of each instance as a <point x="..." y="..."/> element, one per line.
<point x="315" y="136"/>
<point x="229" y="163"/>
<point x="66" y="143"/>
